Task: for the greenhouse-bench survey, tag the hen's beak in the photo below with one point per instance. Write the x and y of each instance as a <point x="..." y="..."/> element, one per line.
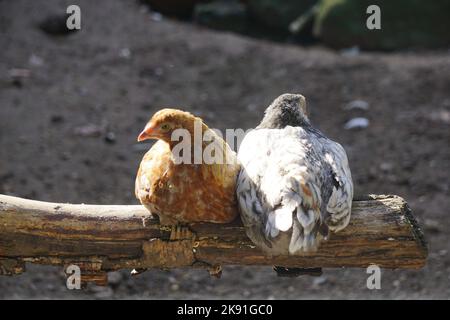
<point x="148" y="133"/>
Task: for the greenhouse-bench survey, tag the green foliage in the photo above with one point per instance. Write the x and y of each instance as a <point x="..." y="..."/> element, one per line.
<point x="278" y="13"/>
<point x="404" y="23"/>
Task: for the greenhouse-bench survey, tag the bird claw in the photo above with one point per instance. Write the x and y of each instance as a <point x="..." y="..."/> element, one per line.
<point x="179" y="232"/>
<point x="215" y="271"/>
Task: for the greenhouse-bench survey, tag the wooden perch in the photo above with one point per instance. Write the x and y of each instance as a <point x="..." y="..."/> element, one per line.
<point x="102" y="238"/>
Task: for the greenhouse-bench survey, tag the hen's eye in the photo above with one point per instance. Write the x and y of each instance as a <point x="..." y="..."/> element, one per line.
<point x="165" y="127"/>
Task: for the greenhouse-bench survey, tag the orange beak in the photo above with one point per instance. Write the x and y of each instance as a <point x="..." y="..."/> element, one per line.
<point x="149" y="132"/>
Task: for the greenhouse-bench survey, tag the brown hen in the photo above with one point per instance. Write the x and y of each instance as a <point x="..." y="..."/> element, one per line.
<point x="188" y="191"/>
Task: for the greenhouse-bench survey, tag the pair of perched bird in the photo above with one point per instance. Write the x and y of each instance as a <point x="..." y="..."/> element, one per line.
<point x="291" y="184"/>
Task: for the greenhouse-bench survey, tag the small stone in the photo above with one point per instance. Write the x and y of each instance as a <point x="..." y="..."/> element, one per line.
<point x="88" y="130"/>
<point x="386" y="166"/>
<point x="357" y="104"/>
<point x="156" y="16"/>
<point x="151" y="72"/>
<point x="174" y="287"/>
<point x="143" y="9"/>
<point x="74" y="175"/>
<point x="35" y="60"/>
<point x="351" y="52"/>
<point x="56" y="118"/>
<point x="319" y="280"/>
<point x="19" y="73"/>
<point x="83" y="91"/>
<point x="125" y="53"/>
<point x="357" y="123"/>
<point x="440" y="116"/>
<point x="110" y="137"/>
<point x="137" y="271"/>
<point x="159" y="71"/>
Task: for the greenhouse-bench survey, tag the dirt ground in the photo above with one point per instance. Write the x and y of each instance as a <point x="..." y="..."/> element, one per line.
<point x="125" y="64"/>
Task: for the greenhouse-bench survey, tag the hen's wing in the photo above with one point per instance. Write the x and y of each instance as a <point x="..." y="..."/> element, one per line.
<point x="339" y="204"/>
<point x="285" y="186"/>
<point x="220" y="160"/>
<point x="152" y="169"/>
<point x="186" y="192"/>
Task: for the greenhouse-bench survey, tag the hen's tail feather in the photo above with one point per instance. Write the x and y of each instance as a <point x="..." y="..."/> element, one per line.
<point x="296" y="211"/>
<point x="297" y="238"/>
<point x="303" y="242"/>
<point x="271" y="231"/>
<point x="304" y="221"/>
<point x="338" y="223"/>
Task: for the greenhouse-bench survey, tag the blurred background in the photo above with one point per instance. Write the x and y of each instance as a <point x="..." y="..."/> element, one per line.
<point x="72" y="104"/>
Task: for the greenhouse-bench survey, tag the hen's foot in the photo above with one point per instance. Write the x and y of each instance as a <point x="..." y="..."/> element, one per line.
<point x="179" y="232"/>
<point x="215" y="271"/>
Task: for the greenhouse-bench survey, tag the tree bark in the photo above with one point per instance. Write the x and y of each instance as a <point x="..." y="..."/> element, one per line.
<point x="102" y="238"/>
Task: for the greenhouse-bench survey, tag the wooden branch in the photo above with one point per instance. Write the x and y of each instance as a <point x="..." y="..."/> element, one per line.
<point x="102" y="238"/>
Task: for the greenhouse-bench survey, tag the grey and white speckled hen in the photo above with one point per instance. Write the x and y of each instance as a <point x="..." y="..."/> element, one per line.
<point x="295" y="184"/>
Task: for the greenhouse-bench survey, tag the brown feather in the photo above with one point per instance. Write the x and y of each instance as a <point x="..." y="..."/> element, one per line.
<point x="186" y="192"/>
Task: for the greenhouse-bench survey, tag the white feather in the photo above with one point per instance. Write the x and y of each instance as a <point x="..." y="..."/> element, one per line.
<point x="283" y="219"/>
<point x="277" y="164"/>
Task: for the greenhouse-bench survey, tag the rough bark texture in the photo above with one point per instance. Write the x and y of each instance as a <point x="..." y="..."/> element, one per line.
<point x="102" y="238"/>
